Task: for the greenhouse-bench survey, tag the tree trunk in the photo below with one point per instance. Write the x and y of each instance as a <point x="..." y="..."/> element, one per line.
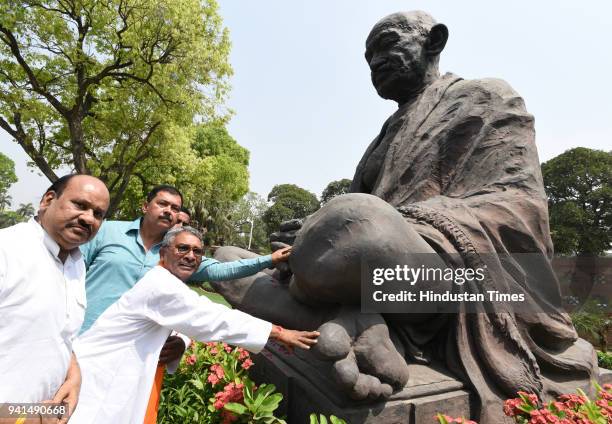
<point x="75" y="126"/>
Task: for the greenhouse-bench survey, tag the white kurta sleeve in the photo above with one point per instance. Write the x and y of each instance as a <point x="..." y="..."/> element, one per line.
<point x="175" y="306"/>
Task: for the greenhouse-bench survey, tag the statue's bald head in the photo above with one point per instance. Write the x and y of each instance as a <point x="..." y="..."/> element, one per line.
<point x="403" y="51"/>
<point x="417" y="22"/>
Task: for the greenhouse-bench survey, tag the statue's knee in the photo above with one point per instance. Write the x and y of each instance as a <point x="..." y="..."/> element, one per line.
<point x="232" y="253"/>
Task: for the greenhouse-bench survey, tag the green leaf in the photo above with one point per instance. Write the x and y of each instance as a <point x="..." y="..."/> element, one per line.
<point x="271" y="402"/>
<point x="236" y="408"/>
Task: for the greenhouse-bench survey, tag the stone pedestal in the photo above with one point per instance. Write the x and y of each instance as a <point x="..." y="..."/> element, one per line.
<point x="306" y="389"/>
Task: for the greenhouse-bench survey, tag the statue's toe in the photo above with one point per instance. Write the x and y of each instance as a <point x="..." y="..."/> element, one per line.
<point x="376" y="355"/>
<point x="346" y="372"/>
<point x="334" y="343"/>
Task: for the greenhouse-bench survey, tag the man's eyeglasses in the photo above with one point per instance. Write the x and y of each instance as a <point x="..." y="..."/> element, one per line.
<point x="184" y="249"/>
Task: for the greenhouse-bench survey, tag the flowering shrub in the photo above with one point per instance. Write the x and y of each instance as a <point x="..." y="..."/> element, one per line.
<point x="212" y="386"/>
<point x="566" y="409"/>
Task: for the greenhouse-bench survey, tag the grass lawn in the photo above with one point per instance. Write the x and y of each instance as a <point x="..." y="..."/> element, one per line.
<point x="215" y="297"/>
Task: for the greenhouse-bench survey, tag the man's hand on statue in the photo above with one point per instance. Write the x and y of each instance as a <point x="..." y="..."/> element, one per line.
<point x="173" y="349"/>
<point x="294" y="338"/>
<point x="281" y="255"/>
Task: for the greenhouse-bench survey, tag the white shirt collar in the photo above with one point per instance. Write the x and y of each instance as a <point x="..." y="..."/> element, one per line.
<point x="51" y="244"/>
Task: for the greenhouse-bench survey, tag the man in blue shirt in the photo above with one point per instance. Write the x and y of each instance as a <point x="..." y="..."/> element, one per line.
<point x="122" y="252"/>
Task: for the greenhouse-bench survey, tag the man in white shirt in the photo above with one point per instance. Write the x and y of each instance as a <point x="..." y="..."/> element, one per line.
<point x="42" y="292"/>
<point x="119" y="353"/>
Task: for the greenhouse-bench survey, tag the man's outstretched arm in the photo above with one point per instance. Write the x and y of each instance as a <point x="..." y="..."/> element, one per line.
<point x="213" y="270"/>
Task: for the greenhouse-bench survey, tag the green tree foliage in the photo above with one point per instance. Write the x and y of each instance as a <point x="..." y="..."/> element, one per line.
<point x="22" y="214"/>
<point x="249" y="211"/>
<point x="335" y="188"/>
<point x="288" y="202"/>
<point x="26" y="210"/>
<point x="108" y="87"/>
<point x="207" y="165"/>
<point x="7" y="179"/>
<point x="579" y="188"/>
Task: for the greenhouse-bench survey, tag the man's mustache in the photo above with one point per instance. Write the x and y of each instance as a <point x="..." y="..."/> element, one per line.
<point x="166" y="217"/>
<point x="189" y="263"/>
<point x="85" y="227"/>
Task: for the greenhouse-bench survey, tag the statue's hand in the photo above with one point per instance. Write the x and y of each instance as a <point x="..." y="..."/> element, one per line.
<point x="366" y="363"/>
<point x="281" y="240"/>
<point x="287" y="232"/>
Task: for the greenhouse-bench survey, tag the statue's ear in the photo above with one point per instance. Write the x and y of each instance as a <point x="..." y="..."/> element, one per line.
<point x="437" y="39"/>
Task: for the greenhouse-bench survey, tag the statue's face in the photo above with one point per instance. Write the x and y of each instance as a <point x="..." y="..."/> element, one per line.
<point x="397" y="60"/>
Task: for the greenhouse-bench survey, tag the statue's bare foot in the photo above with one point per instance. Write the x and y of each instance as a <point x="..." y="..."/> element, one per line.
<point x="366" y="363"/>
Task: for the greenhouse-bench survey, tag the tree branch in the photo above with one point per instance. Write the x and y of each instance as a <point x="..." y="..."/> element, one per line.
<point x="11" y="42"/>
<point x="20" y="136"/>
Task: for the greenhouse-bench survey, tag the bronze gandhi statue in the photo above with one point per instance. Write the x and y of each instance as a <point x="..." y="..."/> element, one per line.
<point x="453" y="171"/>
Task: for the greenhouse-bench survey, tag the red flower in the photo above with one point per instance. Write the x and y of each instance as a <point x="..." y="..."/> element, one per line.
<point x="543" y="416"/>
<point x="242" y="354"/>
<point x="572" y="401"/>
<point x="231" y="393"/>
<point x="191" y="359"/>
<point x="218" y="370"/>
<point x="213" y="379"/>
<point x="247" y="364"/>
<point x="216" y="374"/>
<point x="511" y="407"/>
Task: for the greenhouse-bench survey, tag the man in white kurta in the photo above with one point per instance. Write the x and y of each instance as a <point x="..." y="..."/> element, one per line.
<point x="42" y="304"/>
<point x="42" y="292"/>
<point x="118" y="355"/>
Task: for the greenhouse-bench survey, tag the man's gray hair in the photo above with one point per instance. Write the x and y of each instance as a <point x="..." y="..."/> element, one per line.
<point x="171" y="235"/>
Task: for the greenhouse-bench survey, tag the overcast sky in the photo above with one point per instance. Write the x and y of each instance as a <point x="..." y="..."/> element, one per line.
<point x="306" y="110"/>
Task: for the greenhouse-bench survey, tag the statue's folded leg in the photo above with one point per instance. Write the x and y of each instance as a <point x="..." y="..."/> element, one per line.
<point x="264" y="297"/>
<point x="366" y="363"/>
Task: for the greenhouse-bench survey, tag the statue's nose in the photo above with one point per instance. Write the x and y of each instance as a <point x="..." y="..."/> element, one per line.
<point x="376" y="62"/>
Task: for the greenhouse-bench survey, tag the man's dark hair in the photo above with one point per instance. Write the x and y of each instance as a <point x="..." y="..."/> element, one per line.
<point x="164" y="187"/>
<point x="185" y="210"/>
<point x="60" y="184"/>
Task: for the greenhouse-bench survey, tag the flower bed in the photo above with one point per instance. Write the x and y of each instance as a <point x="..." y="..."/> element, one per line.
<point x="212" y="386"/>
<point x="566" y="409"/>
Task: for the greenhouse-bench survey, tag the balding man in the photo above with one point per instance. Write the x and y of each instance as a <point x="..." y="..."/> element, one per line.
<point x="42" y="292"/>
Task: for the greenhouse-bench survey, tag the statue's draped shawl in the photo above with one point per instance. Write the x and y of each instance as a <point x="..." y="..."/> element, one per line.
<point x="463" y="168"/>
